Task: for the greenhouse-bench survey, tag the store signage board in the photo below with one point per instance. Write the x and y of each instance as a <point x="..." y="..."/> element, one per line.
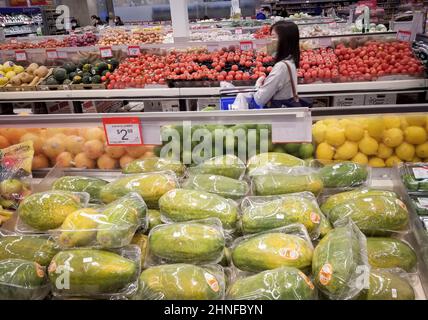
<point x="246" y="45"/>
<point x="123" y="131"/>
<point x="52" y="54"/>
<point x="134" y="51"/>
<point x="20" y="55"/>
<point x="403" y="35"/>
<point x="106" y="52"/>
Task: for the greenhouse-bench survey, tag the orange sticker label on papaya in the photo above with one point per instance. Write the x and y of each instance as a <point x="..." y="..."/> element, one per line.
<point x="315" y="218"/>
<point x="325" y="274"/>
<point x="307" y="280"/>
<point x="212" y="282"/>
<point x="401" y="204"/>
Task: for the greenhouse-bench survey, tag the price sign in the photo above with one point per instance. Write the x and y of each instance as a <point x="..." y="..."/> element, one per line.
<point x="62" y="54"/>
<point x="20" y="55"/>
<point x="246" y="45"/>
<point x="134" y="51"/>
<point x="106" y="52"/>
<point x="238" y="31"/>
<point x="403" y="35"/>
<point x="51" y="54"/>
<point x="123" y="131"/>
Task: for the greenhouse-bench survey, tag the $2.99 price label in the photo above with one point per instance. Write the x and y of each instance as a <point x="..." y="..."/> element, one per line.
<point x="125" y="132"/>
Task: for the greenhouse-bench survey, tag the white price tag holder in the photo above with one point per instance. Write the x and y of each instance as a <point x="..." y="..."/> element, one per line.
<point x="106" y="52"/>
<point x="420" y="173"/>
<point x="134" y="51"/>
<point x="238" y="31"/>
<point x="62" y="54"/>
<point x="123" y="131"/>
<point x="246" y="45"/>
<point x="52" y="54"/>
<point x="20" y="55"/>
<point x="403" y="35"/>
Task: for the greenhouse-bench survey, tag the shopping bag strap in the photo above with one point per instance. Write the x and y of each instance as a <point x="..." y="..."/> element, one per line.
<point x="293" y="85"/>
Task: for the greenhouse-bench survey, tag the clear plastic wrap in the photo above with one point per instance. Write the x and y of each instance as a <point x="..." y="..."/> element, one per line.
<point x="155" y="164"/>
<point x="272" y="159"/>
<point x="265" y="213"/>
<point x="285" y="283"/>
<point x="43" y="211"/>
<point x="150" y="186"/>
<point x="22" y="280"/>
<point x="374" y="215"/>
<point x="141" y="240"/>
<point x="15" y="174"/>
<point x="420" y="204"/>
<point x="414" y="176"/>
<point x="343" y="175"/>
<point x="228" y="166"/>
<point x="223" y="186"/>
<point x="81" y="184"/>
<point x="283" y="180"/>
<point x="154" y="217"/>
<point x="182" y="205"/>
<point x="288" y="246"/>
<point x="182" y="282"/>
<point x="340" y="264"/>
<point x="387" y="253"/>
<point x="95" y="273"/>
<point x="196" y="242"/>
<point x="112" y="226"/>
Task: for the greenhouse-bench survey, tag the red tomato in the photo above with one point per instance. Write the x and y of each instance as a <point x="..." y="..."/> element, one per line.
<point x="229" y="78"/>
<point x="235" y="67"/>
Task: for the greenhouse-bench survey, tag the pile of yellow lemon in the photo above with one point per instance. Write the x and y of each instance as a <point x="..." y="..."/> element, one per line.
<point x="377" y="141"/>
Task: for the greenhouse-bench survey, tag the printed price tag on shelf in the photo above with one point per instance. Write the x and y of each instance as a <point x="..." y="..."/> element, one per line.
<point x="238" y="31"/>
<point x="123" y="131"/>
<point x="51" y="54"/>
<point x="106" y="52"/>
<point x="134" y="51"/>
<point x="246" y="45"/>
<point x="420" y="173"/>
<point x="325" y="42"/>
<point x="403" y="35"/>
<point x="62" y="54"/>
<point x="20" y="55"/>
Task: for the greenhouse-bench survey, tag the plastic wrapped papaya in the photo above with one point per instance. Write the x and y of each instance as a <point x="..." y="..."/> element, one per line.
<point x="155" y="165"/>
<point x="80" y="184"/>
<point x="374" y="215"/>
<point x="223" y="186"/>
<point x="272" y="159"/>
<point x="340" y="262"/>
<point x="22" y="280"/>
<point x="150" y="186"/>
<point x="228" y="166"/>
<point x="154" y="218"/>
<point x="141" y="241"/>
<point x="288" y="246"/>
<point x="15" y="174"/>
<point x="196" y="242"/>
<point x="181" y="282"/>
<point x="285" y="283"/>
<point x="344" y="175"/>
<point x="181" y="205"/>
<point x="266" y="213"/>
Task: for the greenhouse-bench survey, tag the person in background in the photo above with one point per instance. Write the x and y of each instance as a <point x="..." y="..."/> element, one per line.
<point x="263" y="14"/>
<point x="118" y="21"/>
<point x="96" y="21"/>
<point x="206" y="17"/>
<point x="284" y="13"/>
<point x="276" y="89"/>
<point x="74" y="24"/>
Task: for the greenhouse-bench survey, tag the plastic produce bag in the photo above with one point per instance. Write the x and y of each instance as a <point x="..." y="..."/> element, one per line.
<point x="154" y="217"/>
<point x="344" y="175"/>
<point x="285" y="283"/>
<point x="265" y="213"/>
<point x="282" y="180"/>
<point x="241" y="101"/>
<point x="22" y="280"/>
<point x="81" y="184"/>
<point x="374" y="215"/>
<point x="95" y="273"/>
<point x="182" y="282"/>
<point x="289" y="246"/>
<point x="182" y="205"/>
<point x="15" y="174"/>
<point x="420" y="205"/>
<point x="155" y="164"/>
<point x="340" y="264"/>
<point x="228" y="166"/>
<point x="414" y="176"/>
<point x="150" y="186"/>
<point x="272" y="160"/>
<point x="223" y="186"/>
<point x="196" y="242"/>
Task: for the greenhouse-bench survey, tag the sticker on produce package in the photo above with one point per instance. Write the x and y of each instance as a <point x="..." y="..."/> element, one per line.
<point x="420" y="172"/>
<point x="123" y="131"/>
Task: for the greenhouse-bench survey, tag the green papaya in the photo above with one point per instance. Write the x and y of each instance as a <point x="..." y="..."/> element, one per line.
<point x="80" y="184"/>
<point x="181" y="205"/>
<point x="272" y="250"/>
<point x="272" y="159"/>
<point x="389" y="253"/>
<point x="285" y="283"/>
<point x="384" y="285"/>
<point x="188" y="242"/>
<point x="150" y="186"/>
<point x="228" y="166"/>
<point x="155" y="164"/>
<point x="31" y="248"/>
<point x="22" y="280"/>
<point x="227" y="258"/>
<point x="48" y="210"/>
<point x="141" y="240"/>
<point x="223" y="186"/>
<point x="325" y="226"/>
<point x="180" y="282"/>
<point x="92" y="272"/>
<point x="79" y="228"/>
<point x="120" y="220"/>
<point x="344" y="174"/>
<point x="275" y="184"/>
<point x="344" y="197"/>
<point x="338" y="260"/>
<point x="374" y="215"/>
<point x="274" y="212"/>
<point x="154" y="217"/>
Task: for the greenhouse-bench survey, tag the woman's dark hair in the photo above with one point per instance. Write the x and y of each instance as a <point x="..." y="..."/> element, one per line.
<point x="288" y="41"/>
<point x="94" y="17"/>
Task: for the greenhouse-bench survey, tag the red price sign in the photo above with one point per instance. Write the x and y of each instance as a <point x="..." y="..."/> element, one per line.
<point x="403" y="35"/>
<point x="134" y="51"/>
<point x="20" y="55"/>
<point x="106" y="52"/>
<point x="246" y="45"/>
<point x="123" y="131"/>
<point x="51" y="54"/>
